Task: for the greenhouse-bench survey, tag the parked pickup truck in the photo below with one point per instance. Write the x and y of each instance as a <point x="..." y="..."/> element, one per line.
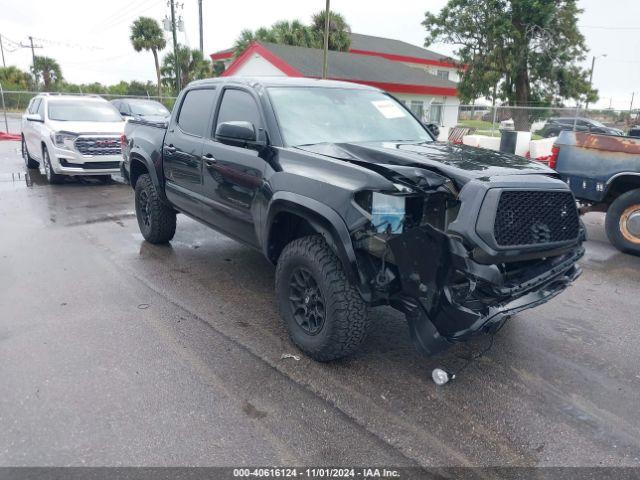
<point x="604" y="174"/>
<point x="348" y="194"/>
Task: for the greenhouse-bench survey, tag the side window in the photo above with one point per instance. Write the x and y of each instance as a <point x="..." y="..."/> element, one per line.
<point x="41" y="109"/>
<point x="195" y="111"/>
<point x="238" y="105"/>
<point x="417" y="107"/>
<point x="33" y="108"/>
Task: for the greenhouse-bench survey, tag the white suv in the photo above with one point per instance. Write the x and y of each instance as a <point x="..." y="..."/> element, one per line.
<point x="67" y="135"/>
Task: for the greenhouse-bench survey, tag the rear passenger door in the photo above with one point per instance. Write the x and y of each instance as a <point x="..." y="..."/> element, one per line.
<point x="182" y="148"/>
<point x="233" y="174"/>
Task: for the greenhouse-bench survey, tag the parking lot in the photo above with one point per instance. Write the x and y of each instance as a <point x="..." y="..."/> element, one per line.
<point x="114" y="351"/>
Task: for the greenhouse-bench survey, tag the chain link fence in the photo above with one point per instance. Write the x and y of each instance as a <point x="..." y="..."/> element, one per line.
<point x="17" y="101"/>
<point x="542" y="122"/>
<point x="481" y="120"/>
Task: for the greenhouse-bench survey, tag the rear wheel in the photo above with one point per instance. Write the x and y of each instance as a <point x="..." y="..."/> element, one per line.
<point x="28" y="160"/>
<point x="623" y="222"/>
<point x="156" y="220"/>
<point x="324" y="314"/>
<point x="52" y="177"/>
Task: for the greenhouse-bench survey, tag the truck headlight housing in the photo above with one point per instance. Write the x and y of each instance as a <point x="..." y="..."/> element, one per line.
<point x="64" y="140"/>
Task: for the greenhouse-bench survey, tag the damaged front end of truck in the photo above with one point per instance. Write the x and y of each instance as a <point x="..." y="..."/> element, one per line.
<point x="460" y="259"/>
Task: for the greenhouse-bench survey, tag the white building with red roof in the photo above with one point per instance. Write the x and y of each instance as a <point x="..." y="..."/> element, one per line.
<point x="422" y="79"/>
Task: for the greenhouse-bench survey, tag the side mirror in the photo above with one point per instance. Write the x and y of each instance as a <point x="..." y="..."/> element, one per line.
<point x="236" y="133"/>
<point x="433" y="128"/>
<point x="34" y="117"/>
<point x="125" y="114"/>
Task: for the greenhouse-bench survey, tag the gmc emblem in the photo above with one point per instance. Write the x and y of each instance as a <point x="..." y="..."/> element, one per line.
<point x="106" y="143"/>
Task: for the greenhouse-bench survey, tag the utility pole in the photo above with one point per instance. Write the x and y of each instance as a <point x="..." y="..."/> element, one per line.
<point x="633" y="94"/>
<point x="2" y="50"/>
<point x="593" y="64"/>
<point x="175" y="44"/>
<point x="325" y="54"/>
<point x="33" y="57"/>
<point x="200" y="19"/>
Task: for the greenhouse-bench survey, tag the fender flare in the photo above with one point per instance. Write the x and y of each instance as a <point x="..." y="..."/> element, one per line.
<point x="138" y="154"/>
<point x="325" y="221"/>
<point x="617" y="176"/>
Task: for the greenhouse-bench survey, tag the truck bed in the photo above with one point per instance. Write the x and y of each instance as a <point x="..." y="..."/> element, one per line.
<point x="588" y="162"/>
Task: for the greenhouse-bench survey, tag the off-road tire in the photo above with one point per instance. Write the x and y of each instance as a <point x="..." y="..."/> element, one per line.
<point x="28" y="159"/>
<point x="52" y="177"/>
<point x="623" y="241"/>
<point x="161" y="224"/>
<point x="345" y="313"/>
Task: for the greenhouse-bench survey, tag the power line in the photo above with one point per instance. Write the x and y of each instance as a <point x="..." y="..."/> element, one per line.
<point x="608" y="27"/>
<point x="67" y="44"/>
<point x="126" y="16"/>
<point x="123" y="12"/>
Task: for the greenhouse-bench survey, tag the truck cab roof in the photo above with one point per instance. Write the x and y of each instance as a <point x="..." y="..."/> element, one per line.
<point x="272" y="81"/>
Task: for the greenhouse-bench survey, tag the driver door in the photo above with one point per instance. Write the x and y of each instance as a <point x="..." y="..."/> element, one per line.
<point x="233" y="174"/>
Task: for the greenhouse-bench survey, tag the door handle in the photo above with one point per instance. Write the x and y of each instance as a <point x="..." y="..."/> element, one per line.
<point x="209" y="160"/>
<point x="170" y="149"/>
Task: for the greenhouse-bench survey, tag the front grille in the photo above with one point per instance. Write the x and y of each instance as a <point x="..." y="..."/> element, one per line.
<point x="98" y="145"/>
<point x="535" y="217"/>
<point x="90" y="165"/>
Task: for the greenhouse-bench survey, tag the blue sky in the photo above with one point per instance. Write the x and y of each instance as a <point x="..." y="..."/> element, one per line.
<point x="90" y="39"/>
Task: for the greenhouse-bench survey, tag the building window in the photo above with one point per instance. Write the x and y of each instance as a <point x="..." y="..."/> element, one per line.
<point x="435" y="113"/>
<point x="444" y="74"/>
<point x="417" y="107"/>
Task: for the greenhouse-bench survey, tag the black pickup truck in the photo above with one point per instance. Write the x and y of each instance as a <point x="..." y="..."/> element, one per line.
<point x="357" y="205"/>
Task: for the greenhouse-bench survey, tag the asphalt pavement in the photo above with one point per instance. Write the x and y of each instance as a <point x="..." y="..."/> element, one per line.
<point x="117" y="352"/>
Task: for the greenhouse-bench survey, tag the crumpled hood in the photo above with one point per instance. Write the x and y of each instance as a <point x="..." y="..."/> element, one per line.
<point x="460" y="163"/>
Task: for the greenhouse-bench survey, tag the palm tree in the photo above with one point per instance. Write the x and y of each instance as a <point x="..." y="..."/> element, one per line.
<point x="247" y="37"/>
<point x="193" y="66"/>
<point x="12" y="78"/>
<point x="48" y="69"/>
<point x="292" y="33"/>
<point x="296" y="33"/>
<point x="339" y="31"/>
<point x="146" y="34"/>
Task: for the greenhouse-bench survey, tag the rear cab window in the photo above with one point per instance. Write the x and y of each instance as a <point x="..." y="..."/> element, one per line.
<point x="195" y="111"/>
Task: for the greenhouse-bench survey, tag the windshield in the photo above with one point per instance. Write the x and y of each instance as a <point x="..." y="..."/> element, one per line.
<point x="145" y="108"/>
<point x="310" y="115"/>
<point x="597" y="123"/>
<point x="83" y="111"/>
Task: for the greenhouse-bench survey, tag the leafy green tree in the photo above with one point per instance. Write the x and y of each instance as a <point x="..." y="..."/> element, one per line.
<point x="193" y="66"/>
<point x="146" y="34"/>
<point x="12" y="78"/>
<point x="339" y="31"/>
<point x="523" y="51"/>
<point x="48" y="69"/>
<point x="296" y="33"/>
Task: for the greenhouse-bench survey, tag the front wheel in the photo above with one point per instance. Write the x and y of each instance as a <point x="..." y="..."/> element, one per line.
<point x="156" y="220"/>
<point x="52" y="177"/>
<point x="623" y="222"/>
<point x="28" y="160"/>
<point x="324" y="314"/>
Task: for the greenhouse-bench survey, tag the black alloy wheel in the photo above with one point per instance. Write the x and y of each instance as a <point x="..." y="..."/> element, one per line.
<point x="306" y="300"/>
